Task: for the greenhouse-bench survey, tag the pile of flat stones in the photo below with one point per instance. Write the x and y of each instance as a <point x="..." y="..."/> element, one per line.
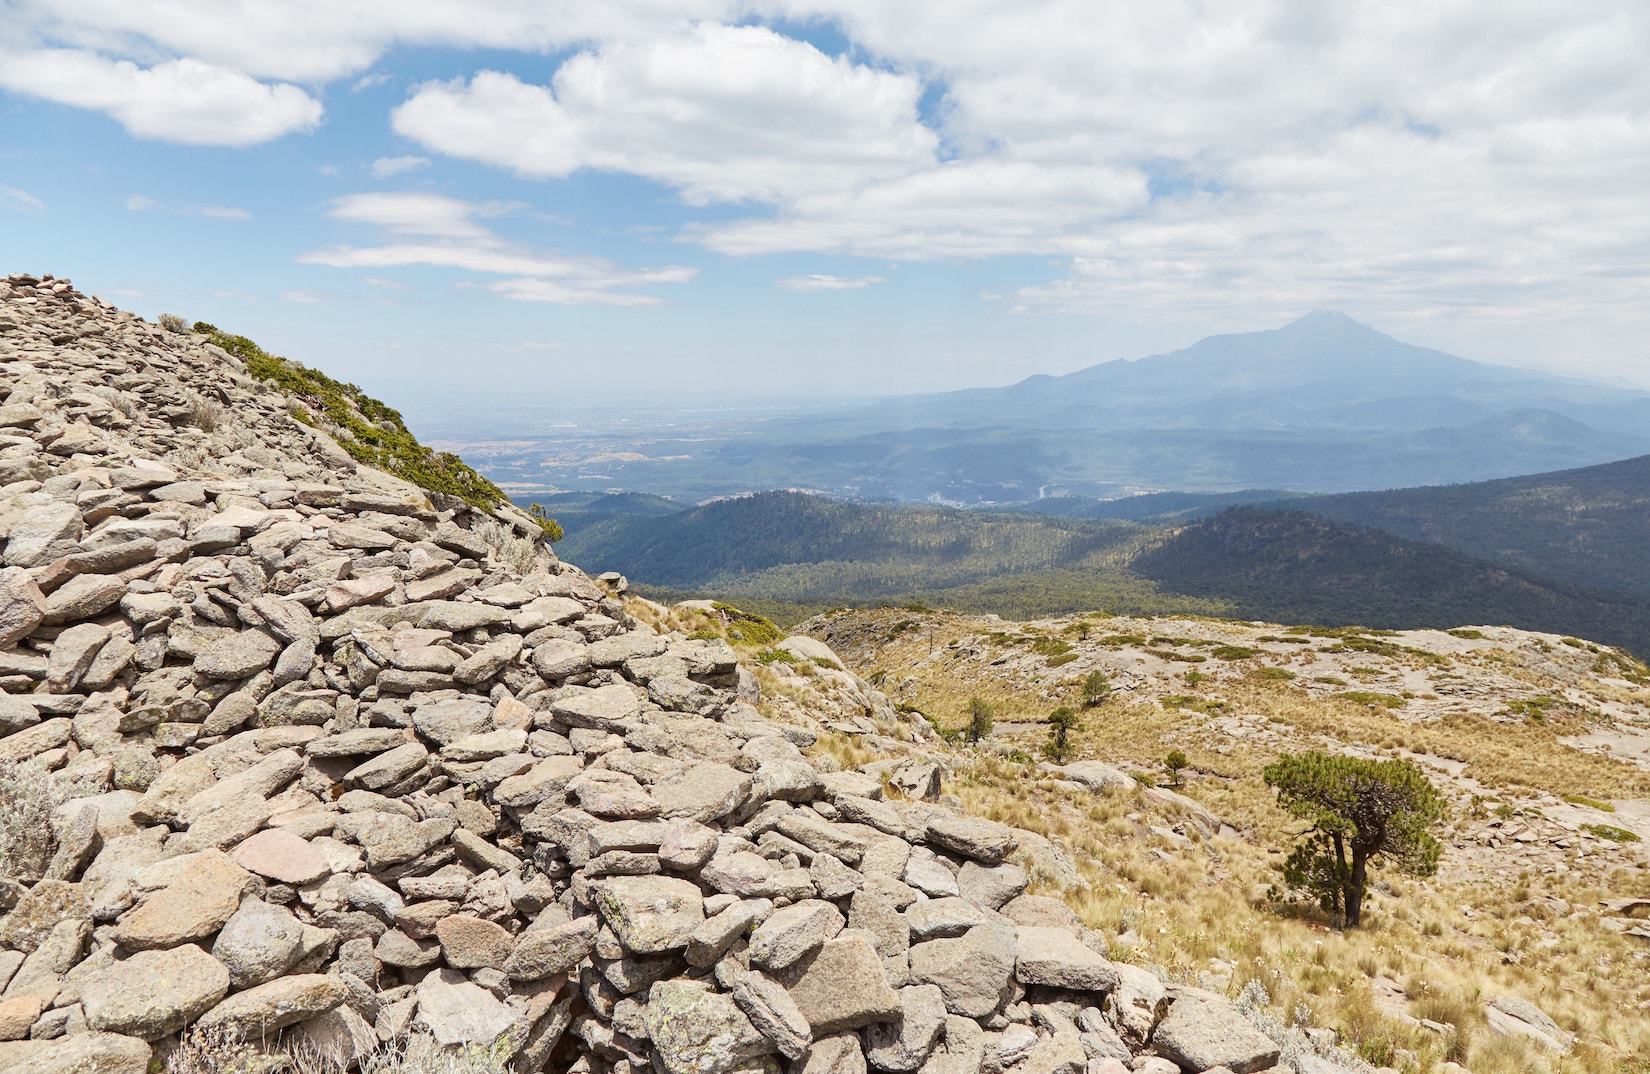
<point x="325" y="771"/>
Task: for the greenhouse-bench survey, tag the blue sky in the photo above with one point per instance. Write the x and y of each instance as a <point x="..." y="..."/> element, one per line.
<point x="800" y="199"/>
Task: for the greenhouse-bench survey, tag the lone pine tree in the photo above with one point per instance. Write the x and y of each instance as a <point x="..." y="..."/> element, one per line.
<point x="1359" y="810"/>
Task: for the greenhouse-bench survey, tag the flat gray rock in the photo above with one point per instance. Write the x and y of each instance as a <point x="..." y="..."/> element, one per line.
<point x="696" y="1031"/>
<point x="649" y="914"/>
<point x="1204" y="1032"/>
<point x="1053" y="957"/>
<point x="154" y="993"/>
<point x="259" y="943"/>
<point x="974" y="971"/>
<point x="458" y="1012"/>
<point x="841" y="986"/>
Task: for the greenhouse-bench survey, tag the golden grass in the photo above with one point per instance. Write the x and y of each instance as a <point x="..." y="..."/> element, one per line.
<point x="1452" y="942"/>
<point x="1208" y="902"/>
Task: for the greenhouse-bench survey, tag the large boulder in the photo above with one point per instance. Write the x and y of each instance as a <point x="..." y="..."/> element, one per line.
<point x="259" y="943"/>
<point x="1050" y="956"/>
<point x="545" y="952"/>
<point x="904" y="1045"/>
<point x="973" y="837"/>
<point x="649" y="914"/>
<point x="206" y="893"/>
<point x="974" y="972"/>
<point x="154" y="993"/>
<point x="1515" y="1017"/>
<point x="789" y="934"/>
<point x="841" y="986"/>
<point x="458" y="1012"/>
<point x="263" y="1011"/>
<point x="1203" y="1031"/>
<point x="85" y="1053"/>
<point x="696" y="1031"/>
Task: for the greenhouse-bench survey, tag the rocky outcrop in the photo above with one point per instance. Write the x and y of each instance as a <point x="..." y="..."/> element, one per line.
<point x="344" y="760"/>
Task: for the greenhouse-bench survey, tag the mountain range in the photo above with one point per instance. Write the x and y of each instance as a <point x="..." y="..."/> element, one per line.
<point x="789" y="555"/>
<point x="1321" y="405"/>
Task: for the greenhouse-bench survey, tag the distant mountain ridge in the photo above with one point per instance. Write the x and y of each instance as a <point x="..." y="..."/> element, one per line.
<point x="1299" y="567"/>
<point x="799" y="554"/>
<point x="1321" y="405"/>
<point x="1590" y="526"/>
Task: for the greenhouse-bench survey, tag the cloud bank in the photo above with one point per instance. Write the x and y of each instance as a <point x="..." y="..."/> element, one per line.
<point x="1424" y="156"/>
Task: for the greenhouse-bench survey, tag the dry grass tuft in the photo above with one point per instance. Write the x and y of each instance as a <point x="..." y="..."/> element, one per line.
<point x="217" y="1050"/>
<point x="518" y="553"/>
<point x="1199" y="906"/>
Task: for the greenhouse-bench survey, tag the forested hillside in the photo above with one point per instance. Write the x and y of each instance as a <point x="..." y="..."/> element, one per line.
<point x="1590" y="526"/>
<point x="796" y="554"/>
<point x="1291" y="566"/>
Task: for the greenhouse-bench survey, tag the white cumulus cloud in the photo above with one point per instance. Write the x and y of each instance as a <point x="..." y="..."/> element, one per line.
<point x="431" y="229"/>
<point x="826" y="282"/>
<point x="384" y="167"/>
<point x="720" y="113"/>
<point x="22" y="200"/>
<point x="1430" y="158"/>
<point x="184" y="101"/>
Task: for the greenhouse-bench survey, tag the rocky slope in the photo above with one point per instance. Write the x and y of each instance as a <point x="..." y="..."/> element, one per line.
<point x="1540" y="742"/>
<point x="296" y="752"/>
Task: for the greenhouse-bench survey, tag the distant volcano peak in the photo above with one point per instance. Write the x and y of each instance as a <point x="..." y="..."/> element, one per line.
<point x="1327" y="324"/>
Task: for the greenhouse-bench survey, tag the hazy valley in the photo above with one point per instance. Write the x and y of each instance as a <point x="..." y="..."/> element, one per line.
<point x="1324" y="404"/>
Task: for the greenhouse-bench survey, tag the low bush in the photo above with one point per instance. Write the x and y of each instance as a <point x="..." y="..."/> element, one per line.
<point x="369" y="430"/>
<point x="1611" y="832"/>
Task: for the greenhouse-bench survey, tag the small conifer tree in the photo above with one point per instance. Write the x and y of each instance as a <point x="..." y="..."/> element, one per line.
<point x="1359" y="810"/>
<point x="1061" y="723"/>
<point x="979" y="719"/>
<point x="1096" y="688"/>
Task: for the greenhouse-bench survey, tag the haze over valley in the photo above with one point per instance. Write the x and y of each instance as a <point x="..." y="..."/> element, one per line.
<point x="1323" y="404"/>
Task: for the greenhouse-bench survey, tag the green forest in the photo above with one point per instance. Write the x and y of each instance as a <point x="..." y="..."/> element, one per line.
<point x="790" y="555"/>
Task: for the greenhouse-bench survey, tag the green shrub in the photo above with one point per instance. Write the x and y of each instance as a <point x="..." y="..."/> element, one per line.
<point x="1184" y="658"/>
<point x="1532" y="708"/>
<point x="1096" y="688"/>
<point x="1467" y="632"/>
<point x="775" y="656"/>
<point x="1060" y="661"/>
<point x="1591" y="803"/>
<point x="1272" y="674"/>
<point x="552" y="529"/>
<point x="1061" y="723"/>
<point x="1611" y="832"/>
<point x="1050" y="647"/>
<point x="980" y="719"/>
<point x="748" y="628"/>
<point x="1368" y="697"/>
<point x="1231" y="652"/>
<point x="369" y="430"/>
